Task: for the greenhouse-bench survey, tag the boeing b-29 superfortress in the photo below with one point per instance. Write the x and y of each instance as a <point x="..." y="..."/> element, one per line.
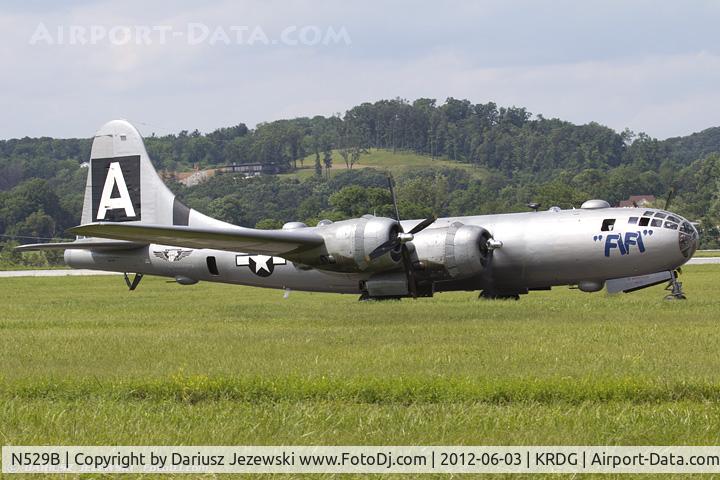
<point x="132" y="223"/>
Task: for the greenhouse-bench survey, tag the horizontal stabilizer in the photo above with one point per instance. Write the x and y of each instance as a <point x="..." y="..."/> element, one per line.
<point x="82" y="245"/>
<point x="230" y="238"/>
<point x="630" y="284"/>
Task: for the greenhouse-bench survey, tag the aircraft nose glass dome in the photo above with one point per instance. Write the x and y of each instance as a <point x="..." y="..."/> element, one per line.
<point x="688" y="239"/>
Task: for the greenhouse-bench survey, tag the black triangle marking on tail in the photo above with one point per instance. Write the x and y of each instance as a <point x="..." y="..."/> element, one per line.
<point x="181" y="213"/>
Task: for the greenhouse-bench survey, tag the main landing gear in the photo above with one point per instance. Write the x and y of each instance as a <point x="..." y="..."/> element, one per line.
<point x="675" y="288"/>
<point x="496" y="295"/>
<point x="365" y="297"/>
<point x="132" y="285"/>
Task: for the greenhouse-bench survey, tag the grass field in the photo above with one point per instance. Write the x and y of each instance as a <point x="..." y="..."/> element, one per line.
<point x="707" y="253"/>
<point x="84" y="361"/>
<point x="395" y="163"/>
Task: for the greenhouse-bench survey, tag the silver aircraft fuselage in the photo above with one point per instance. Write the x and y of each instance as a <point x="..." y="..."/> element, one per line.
<point x="584" y="247"/>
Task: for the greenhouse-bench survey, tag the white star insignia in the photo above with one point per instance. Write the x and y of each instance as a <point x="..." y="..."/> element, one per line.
<point x="261" y="263"/>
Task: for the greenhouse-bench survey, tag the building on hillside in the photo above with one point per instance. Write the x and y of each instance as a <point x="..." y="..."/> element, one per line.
<point x="638" y="201"/>
<point x="250" y="169"/>
<point x="197" y="176"/>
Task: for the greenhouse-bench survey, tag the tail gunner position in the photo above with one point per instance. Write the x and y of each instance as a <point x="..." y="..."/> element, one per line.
<point x="132" y="223"/>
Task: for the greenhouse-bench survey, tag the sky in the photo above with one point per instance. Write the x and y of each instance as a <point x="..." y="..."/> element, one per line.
<point x="68" y="67"/>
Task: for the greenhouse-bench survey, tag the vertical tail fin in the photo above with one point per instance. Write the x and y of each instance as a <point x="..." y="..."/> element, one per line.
<point x="123" y="186"/>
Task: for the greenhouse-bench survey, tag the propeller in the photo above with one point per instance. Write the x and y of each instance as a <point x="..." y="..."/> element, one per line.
<point x="399" y="240"/>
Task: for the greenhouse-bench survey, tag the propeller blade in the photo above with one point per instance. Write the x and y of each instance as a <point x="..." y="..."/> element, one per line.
<point x="407" y="263"/>
<point x="423" y="225"/>
<point x="669" y="198"/>
<point x="394" y="199"/>
<point x="383" y="248"/>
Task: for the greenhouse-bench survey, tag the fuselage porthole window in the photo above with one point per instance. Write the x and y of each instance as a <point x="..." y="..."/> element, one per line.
<point x="212" y="266"/>
<point x="608" y="225"/>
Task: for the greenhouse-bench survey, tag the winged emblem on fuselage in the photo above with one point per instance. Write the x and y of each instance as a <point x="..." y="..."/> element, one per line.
<point x="172" y="254"/>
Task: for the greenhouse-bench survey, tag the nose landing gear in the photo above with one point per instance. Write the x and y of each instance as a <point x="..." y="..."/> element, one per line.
<point x="675" y="288"/>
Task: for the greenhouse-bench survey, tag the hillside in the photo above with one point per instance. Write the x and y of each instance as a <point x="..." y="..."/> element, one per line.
<point x="396" y="163"/>
<point x="685" y="150"/>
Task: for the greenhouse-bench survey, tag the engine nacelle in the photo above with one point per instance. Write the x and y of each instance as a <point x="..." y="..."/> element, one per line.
<point x="349" y="242"/>
<point x="456" y="252"/>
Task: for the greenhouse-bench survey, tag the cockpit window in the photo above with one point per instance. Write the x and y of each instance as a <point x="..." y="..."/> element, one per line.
<point x="662" y="219"/>
<point x="687" y="239"/>
<point x="608" y="225"/>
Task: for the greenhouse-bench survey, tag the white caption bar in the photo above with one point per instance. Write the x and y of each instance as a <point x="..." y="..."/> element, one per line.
<point x="357" y="459"/>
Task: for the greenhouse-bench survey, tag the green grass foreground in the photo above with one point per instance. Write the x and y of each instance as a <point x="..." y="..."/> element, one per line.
<point x="84" y="361"/>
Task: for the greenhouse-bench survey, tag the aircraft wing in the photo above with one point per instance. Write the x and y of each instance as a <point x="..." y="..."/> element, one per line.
<point x="234" y="239"/>
<point x="89" y="244"/>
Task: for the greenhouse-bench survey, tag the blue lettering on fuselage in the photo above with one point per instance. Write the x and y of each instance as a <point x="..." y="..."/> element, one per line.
<point x="614" y="241"/>
<point x="624" y="243"/>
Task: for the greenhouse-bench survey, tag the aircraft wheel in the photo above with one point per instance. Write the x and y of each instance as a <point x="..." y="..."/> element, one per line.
<point x="367" y="298"/>
<point x="678" y="296"/>
<point x="497" y="296"/>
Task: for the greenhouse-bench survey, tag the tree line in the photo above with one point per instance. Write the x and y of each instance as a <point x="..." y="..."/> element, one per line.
<point x="510" y="140"/>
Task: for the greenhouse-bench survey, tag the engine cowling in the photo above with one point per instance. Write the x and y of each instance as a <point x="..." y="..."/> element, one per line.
<point x="454" y="252"/>
<point x="349" y="242"/>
